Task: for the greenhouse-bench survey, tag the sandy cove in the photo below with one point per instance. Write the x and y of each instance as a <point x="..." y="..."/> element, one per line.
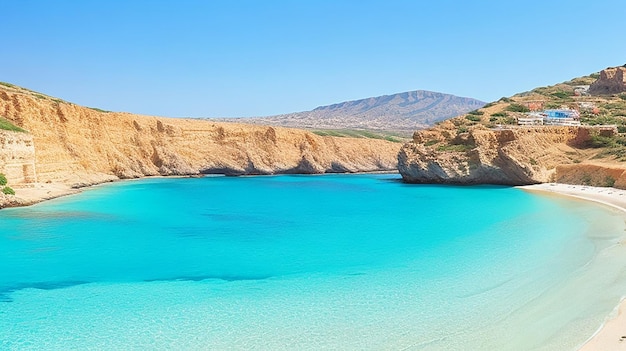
<point x="612" y="335"/>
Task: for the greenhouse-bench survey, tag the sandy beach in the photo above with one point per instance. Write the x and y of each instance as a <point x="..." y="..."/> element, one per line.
<point x="36" y="192"/>
<point x="612" y="335"/>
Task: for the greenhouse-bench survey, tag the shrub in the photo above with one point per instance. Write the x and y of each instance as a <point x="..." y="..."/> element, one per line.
<point x="517" y="108"/>
<point x="489" y="105"/>
<point x="552" y="105"/>
<point x="99" y="109"/>
<point x="8" y="191"/>
<point x="499" y="114"/>
<point x="609" y="181"/>
<point x="454" y="148"/>
<point x="476" y="113"/>
<point x="431" y="142"/>
<point x="622" y="96"/>
<point x="473" y="118"/>
<point x="561" y="94"/>
<point x="505" y="99"/>
<point x="510" y="120"/>
<point x="3" y="179"/>
<point x="598" y="141"/>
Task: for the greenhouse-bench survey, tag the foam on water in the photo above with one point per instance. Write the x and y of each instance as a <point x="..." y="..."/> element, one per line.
<point x="307" y="262"/>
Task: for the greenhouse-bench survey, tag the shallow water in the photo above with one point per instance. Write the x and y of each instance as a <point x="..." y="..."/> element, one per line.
<point x="307" y="262"/>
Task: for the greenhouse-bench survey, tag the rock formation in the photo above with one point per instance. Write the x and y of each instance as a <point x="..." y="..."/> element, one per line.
<point x="513" y="156"/>
<point x="612" y="81"/>
<point x="80" y="146"/>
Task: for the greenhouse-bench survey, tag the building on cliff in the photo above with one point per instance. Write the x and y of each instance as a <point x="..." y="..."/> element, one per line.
<point x="581" y="90"/>
<point x="532" y="119"/>
<point x="560" y="117"/>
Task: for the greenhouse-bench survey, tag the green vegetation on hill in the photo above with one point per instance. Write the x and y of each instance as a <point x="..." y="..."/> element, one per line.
<point x="41" y="96"/>
<point x="5" y="124"/>
<point x="32" y="93"/>
<point x="368" y="134"/>
<point x="593" y="110"/>
<point x="99" y="110"/>
<point x="3" y="183"/>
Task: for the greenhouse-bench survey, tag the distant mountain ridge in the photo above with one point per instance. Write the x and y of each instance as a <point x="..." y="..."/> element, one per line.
<point x="402" y="112"/>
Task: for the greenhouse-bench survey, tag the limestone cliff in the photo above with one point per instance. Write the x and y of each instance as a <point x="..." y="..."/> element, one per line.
<point x="80" y="146"/>
<point x="509" y="156"/>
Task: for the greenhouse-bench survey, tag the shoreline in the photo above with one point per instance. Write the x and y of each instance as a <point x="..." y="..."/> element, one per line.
<point x="611" y="335"/>
<point x="34" y="193"/>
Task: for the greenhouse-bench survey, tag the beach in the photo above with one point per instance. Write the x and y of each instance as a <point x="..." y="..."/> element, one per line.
<point x="612" y="335"/>
<point x="30" y="194"/>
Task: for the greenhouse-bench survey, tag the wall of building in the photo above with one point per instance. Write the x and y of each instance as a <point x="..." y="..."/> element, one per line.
<point x="17" y="157"/>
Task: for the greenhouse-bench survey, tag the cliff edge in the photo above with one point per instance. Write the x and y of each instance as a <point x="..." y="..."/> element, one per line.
<point x="79" y="146"/>
<point x="507" y="156"/>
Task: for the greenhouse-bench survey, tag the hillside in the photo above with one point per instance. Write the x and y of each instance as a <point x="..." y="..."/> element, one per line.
<point x="400" y="113"/>
<point x="487" y="146"/>
<point x="76" y="146"/>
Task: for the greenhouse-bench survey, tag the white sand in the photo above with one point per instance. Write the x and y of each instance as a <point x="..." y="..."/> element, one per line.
<point x="612" y="335"/>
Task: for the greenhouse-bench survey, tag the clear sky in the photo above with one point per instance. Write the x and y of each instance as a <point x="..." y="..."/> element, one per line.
<point x="230" y="58"/>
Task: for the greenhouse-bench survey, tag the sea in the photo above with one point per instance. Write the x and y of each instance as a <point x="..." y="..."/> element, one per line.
<point x="307" y="262"/>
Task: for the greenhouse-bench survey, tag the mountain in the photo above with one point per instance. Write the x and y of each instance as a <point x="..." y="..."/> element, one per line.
<point x="403" y="113"/>
<point x="488" y="146"/>
<point x="46" y="142"/>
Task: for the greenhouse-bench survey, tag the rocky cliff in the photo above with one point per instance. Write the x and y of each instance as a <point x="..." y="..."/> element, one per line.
<point x="81" y="146"/>
<point x="611" y="81"/>
<point x="508" y="156"/>
<point x="504" y="156"/>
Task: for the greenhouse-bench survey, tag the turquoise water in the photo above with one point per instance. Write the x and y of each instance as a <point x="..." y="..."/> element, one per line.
<point x="307" y="262"/>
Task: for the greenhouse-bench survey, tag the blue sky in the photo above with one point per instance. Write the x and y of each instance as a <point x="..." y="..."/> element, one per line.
<point x="229" y="58"/>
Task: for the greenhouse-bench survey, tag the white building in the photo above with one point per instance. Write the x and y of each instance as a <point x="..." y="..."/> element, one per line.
<point x="561" y="117"/>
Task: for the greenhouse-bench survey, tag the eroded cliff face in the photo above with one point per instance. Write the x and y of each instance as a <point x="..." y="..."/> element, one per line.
<point x="513" y="156"/>
<point x="611" y="81"/>
<point x="81" y="146"/>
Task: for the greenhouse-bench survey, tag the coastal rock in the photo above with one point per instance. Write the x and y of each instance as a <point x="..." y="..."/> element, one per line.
<point x="513" y="156"/>
<point x="74" y="145"/>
